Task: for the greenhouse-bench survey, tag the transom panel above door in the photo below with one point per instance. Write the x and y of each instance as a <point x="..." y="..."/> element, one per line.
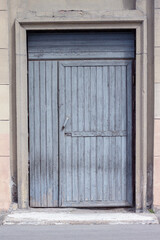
<point x="95" y="133"/>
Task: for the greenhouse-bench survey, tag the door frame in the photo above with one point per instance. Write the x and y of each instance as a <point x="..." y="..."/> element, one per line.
<point x="135" y="20"/>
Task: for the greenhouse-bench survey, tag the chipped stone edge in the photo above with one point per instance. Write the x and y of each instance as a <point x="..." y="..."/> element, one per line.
<point x="148" y="222"/>
<point x="10" y="221"/>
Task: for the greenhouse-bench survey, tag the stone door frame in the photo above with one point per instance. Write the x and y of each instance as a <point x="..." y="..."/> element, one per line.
<point x="119" y="21"/>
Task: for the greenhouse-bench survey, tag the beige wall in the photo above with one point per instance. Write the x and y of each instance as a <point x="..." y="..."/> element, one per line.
<point x="157" y="105"/>
<point x="80" y="5"/>
<point x="50" y="8"/>
<point x="5" y="196"/>
<point x="29" y="7"/>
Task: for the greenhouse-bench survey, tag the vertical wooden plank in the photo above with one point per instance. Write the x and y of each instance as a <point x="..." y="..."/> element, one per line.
<point x="50" y="161"/>
<point x="99" y="99"/>
<point x="118" y="172"/>
<point x="74" y="99"/>
<point x="87" y="169"/>
<point x="74" y="128"/>
<point x="68" y="110"/>
<point x="81" y="122"/>
<point x="49" y="130"/>
<point x="106" y="99"/>
<point x="118" y="168"/>
<point x="118" y="98"/>
<point x="37" y="188"/>
<point x="93" y="128"/>
<point x="62" y="140"/>
<point x="110" y="169"/>
<point x="93" y="86"/>
<point x="124" y="99"/>
<point x="99" y="168"/>
<point x="80" y="99"/>
<point x="54" y="106"/>
<point x="106" y="147"/>
<point x="100" y="106"/>
<point x="124" y="127"/>
<point x="87" y="105"/>
<point x="124" y="169"/>
<point x="87" y="97"/>
<point x="81" y="170"/>
<point x="31" y="133"/>
<point x="68" y="98"/>
<point x="43" y="137"/>
<point x="93" y="169"/>
<point x="93" y="98"/>
<point x="129" y="133"/>
<point x="106" y="169"/>
<point x="112" y="97"/>
<point x="74" y="169"/>
<point x="112" y="127"/>
<point x="120" y="165"/>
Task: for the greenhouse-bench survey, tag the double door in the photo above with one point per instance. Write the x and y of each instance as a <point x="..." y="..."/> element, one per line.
<point x="80" y="133"/>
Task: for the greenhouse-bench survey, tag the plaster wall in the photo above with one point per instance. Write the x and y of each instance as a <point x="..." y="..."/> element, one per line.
<point x="50" y="5"/>
<point x="157" y="104"/>
<point x="5" y="196"/>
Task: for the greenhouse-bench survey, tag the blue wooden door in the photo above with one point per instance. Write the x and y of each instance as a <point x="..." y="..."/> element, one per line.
<point x="43" y="134"/>
<point x="95" y="130"/>
<point x="80" y="118"/>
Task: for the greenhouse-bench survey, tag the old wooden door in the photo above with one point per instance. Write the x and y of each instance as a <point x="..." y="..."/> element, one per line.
<point x="80" y="118"/>
<point x="43" y="134"/>
<point x="95" y="133"/>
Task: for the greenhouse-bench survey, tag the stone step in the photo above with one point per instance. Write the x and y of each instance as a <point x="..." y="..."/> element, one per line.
<point x="77" y="216"/>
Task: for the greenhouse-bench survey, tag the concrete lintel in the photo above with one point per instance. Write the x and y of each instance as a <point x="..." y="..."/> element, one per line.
<point x="83" y="16"/>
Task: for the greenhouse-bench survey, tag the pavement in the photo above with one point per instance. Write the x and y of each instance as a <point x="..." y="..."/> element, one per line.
<point x="79" y="232"/>
<point x="77" y="216"/>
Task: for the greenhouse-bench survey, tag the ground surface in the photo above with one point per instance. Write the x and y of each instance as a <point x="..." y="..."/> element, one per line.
<point x="79" y="232"/>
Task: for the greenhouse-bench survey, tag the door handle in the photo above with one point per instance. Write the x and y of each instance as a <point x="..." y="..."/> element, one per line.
<point x="65" y="123"/>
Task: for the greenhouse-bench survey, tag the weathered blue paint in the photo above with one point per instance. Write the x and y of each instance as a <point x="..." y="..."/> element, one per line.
<point x="43" y="134"/>
<point x="95" y="147"/>
<point x="81" y="44"/>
